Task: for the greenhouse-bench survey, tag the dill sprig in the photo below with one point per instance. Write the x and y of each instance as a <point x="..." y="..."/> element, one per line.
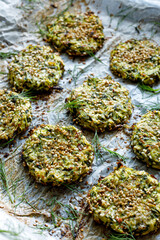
<point x="73" y="188"/>
<point x="75" y="74"/>
<point x="69" y="4"/>
<point x="23" y="199"/>
<point x="4" y="179"/>
<point x="72" y="214"/>
<point x="2" y="145"/>
<point x="144" y="87"/>
<point x="91" y="54"/>
<point x="149" y="106"/>
<point x="4" y="73"/>
<point x="98" y="147"/>
<point x="27" y="94"/>
<point x="41" y="31"/>
<point x="120" y="236"/>
<point x="9" y="232"/>
<point x="115" y="154"/>
<point x="70" y="105"/>
<point x="4" y="55"/>
<point x="123" y="236"/>
<point x="123" y="16"/>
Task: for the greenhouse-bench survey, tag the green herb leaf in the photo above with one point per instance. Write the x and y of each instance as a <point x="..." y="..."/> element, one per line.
<point x="91" y="54"/>
<point x="3" y="73"/>
<point x="4" y="179"/>
<point x="2" y="145"/>
<point x="115" y="154"/>
<point x="144" y="87"/>
<point x="70" y="105"/>
<point x="98" y="147"/>
<point x="4" y="55"/>
<point x="119" y="236"/>
<point x="149" y="106"/>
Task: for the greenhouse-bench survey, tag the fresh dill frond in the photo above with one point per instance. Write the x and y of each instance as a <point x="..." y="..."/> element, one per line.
<point x="97" y="147"/>
<point x="73" y="188"/>
<point x="4" y="73"/>
<point x="115" y="154"/>
<point x="23" y="199"/>
<point x="3" y="176"/>
<point x="123" y="236"/>
<point x="70" y="105"/>
<point x="9" y="232"/>
<point x="75" y="74"/>
<point x="2" y="145"/>
<point x="73" y="228"/>
<point x="120" y="236"/>
<point x="72" y="214"/>
<point x="69" y="4"/>
<point x="110" y="15"/>
<point x="4" y="55"/>
<point x="144" y="87"/>
<point x="27" y="94"/>
<point x="91" y="54"/>
<point x="149" y="106"/>
<point x="122" y="11"/>
<point x="41" y="31"/>
<point x="124" y="16"/>
<point x="121" y="20"/>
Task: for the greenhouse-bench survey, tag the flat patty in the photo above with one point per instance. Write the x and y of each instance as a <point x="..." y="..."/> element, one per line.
<point x="100" y="104"/>
<point x="57" y="154"/>
<point x="36" y="67"/>
<point x="145" y="139"/>
<point x="136" y="60"/>
<point x="127" y="200"/>
<point x="15" y="114"/>
<point x="76" y="34"/>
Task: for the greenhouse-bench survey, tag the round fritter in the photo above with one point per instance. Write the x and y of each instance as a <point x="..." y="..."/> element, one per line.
<point x="100" y="104"/>
<point x="78" y="35"/>
<point x="136" y="60"/>
<point x="145" y="139"/>
<point x="15" y="114"/>
<point x="36" y="67"/>
<point x="57" y="154"/>
<point x="127" y="200"/>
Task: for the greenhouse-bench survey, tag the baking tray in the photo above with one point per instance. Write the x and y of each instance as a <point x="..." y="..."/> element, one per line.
<point x="27" y="212"/>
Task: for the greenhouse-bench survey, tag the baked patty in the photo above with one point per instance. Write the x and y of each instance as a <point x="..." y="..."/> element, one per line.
<point x="35" y="67"/>
<point x="57" y="154"/>
<point x="127" y="200"/>
<point x="100" y="104"/>
<point x="76" y="34"/>
<point x="136" y="60"/>
<point x="15" y="114"/>
<point x="145" y="139"/>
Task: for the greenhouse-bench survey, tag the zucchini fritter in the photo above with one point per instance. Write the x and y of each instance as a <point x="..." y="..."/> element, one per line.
<point x="57" y="154"/>
<point x="36" y="67"/>
<point x="145" y="139"/>
<point x="15" y="114"/>
<point x="76" y="34"/>
<point x="100" y="104"/>
<point x="127" y="200"/>
<point x="136" y="60"/>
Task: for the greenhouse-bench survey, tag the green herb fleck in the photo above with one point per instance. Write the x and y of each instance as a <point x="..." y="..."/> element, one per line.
<point x="4" y="179"/>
